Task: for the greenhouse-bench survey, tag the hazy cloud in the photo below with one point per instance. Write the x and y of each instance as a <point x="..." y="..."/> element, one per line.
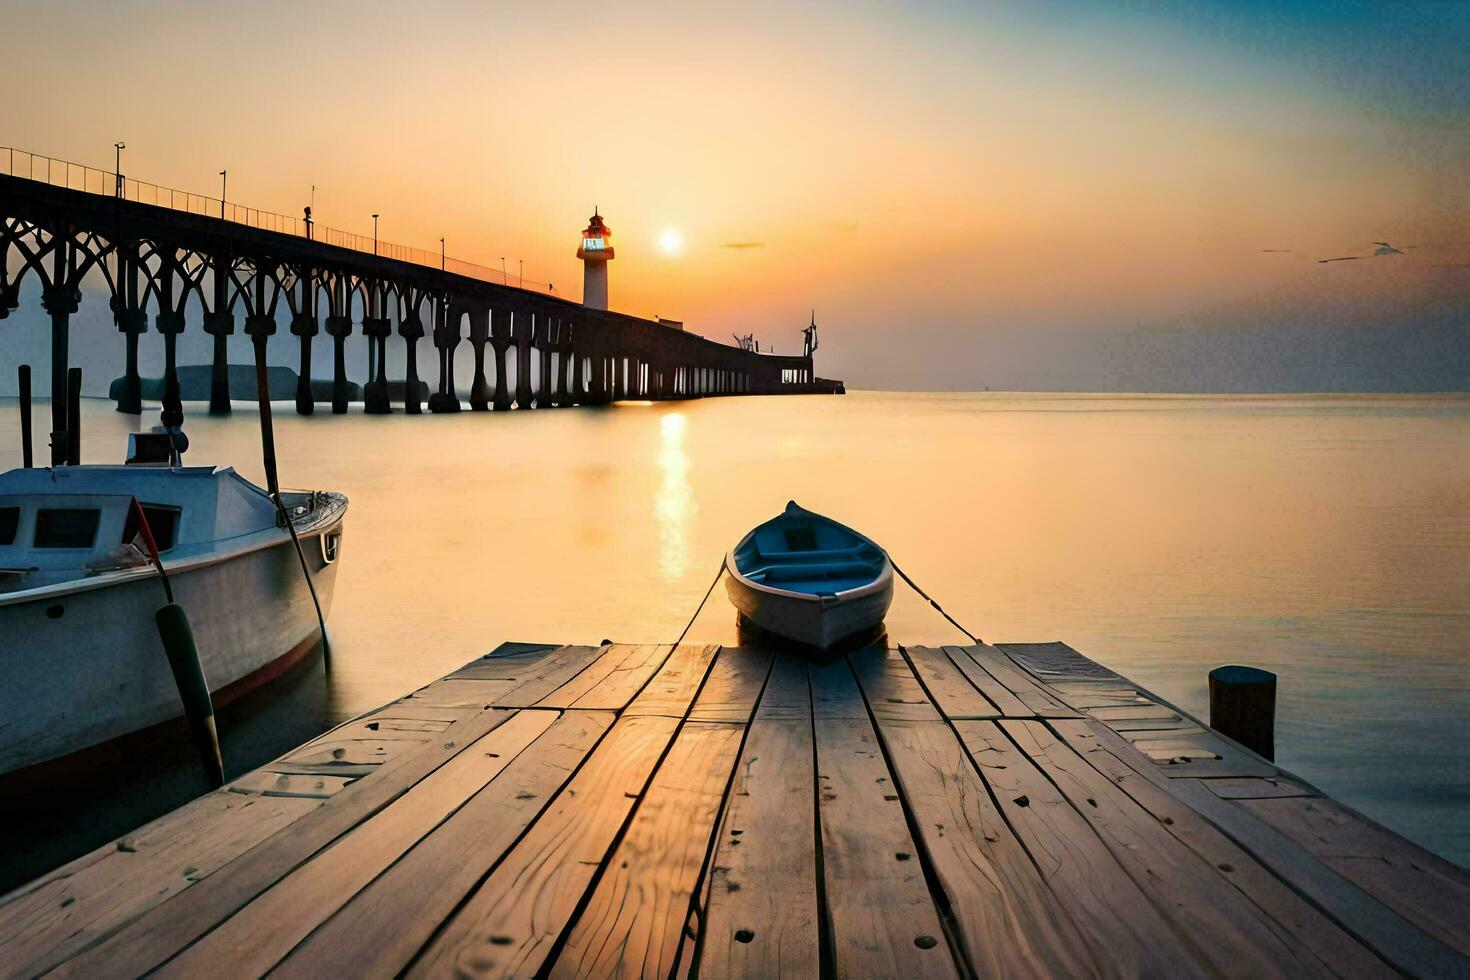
<point x="743" y="245"/>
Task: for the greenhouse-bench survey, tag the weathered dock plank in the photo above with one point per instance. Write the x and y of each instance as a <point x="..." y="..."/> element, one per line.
<point x="760" y="914"/>
<point x="726" y="812"/>
<point x="1007" y="922"/>
<point x="261" y="933"/>
<point x="881" y="917"/>
<point x="383" y="927"/>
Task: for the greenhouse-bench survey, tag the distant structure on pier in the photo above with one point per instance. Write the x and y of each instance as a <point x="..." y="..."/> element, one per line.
<point x="595" y="253"/>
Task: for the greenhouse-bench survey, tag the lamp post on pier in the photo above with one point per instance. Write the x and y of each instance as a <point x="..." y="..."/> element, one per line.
<point x="224" y="177"/>
<point x="375" y="234"/>
<point x="441" y="255"/>
<point x="119" y="146"/>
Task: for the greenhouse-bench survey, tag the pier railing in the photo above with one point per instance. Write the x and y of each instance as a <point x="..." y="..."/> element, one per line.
<point x="78" y="177"/>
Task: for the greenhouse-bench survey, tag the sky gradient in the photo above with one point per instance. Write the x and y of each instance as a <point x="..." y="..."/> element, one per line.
<point x="1040" y="196"/>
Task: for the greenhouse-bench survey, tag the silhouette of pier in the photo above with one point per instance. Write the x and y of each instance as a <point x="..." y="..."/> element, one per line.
<point x="156" y="249"/>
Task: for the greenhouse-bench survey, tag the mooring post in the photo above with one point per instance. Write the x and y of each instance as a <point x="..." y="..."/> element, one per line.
<point x="61" y="302"/>
<point x="1243" y="707"/>
<point x="74" y="414"/>
<point x="26" y="458"/>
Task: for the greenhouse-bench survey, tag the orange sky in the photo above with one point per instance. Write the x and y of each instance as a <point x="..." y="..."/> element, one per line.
<point x="956" y="170"/>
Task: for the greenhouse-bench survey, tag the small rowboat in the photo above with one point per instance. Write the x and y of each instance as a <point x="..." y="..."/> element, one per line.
<point x="810" y="580"/>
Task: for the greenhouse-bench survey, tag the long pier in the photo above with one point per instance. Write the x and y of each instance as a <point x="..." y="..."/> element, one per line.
<point x="182" y="259"/>
<point x="1007" y="810"/>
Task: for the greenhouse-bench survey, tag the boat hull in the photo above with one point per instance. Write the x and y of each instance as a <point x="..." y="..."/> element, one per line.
<point x="86" y="666"/>
<point x="817" y="622"/>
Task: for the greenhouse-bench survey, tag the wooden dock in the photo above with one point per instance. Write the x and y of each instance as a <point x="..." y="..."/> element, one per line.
<point x="714" y="812"/>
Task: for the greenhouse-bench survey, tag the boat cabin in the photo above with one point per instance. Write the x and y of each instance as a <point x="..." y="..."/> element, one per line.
<point x="68" y="522"/>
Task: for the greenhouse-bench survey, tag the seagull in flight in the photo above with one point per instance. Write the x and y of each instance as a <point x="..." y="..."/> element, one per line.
<point x="1384" y="248"/>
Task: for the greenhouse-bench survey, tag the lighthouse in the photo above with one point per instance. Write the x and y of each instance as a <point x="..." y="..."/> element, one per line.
<point x="595" y="252"/>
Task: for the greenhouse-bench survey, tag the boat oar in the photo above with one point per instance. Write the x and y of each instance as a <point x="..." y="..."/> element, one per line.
<point x="183" y="660"/>
<point x="273" y="484"/>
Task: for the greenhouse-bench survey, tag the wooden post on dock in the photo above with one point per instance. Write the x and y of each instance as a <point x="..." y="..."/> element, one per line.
<point x="1243" y="707"/>
<point x="26" y="455"/>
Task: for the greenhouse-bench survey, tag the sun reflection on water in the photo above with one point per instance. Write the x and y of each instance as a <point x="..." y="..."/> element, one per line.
<point x="673" y="505"/>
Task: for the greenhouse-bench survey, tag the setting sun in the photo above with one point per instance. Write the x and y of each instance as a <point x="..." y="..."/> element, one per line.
<point x="671" y="241"/>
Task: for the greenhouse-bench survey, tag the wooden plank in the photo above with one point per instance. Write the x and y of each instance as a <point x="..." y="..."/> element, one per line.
<point x="609" y="674"/>
<point x="1125" y="934"/>
<point x="1001" y="696"/>
<point x="380" y="930"/>
<point x="1008" y="921"/>
<point x="1055" y="662"/>
<point x="61" y="913"/>
<point x="1197" y="895"/>
<point x="631" y="925"/>
<point x="946" y="684"/>
<point x="506" y="660"/>
<point x="537" y="679"/>
<point x="510" y="924"/>
<point x="450" y="693"/>
<point x="890" y="687"/>
<point x="1158" y="722"/>
<point x="673" y="688"/>
<point x="733" y="685"/>
<point x="262" y="783"/>
<point x="1035" y="696"/>
<point x="760" y="914"/>
<point x="258" y="935"/>
<point x="167" y="928"/>
<point x="1424" y="888"/>
<point x="882" y="919"/>
<point x="1252" y="788"/>
<point x="1187" y="805"/>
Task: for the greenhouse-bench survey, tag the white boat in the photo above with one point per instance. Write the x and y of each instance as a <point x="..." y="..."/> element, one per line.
<point x="80" y="652"/>
<point x="808" y="579"/>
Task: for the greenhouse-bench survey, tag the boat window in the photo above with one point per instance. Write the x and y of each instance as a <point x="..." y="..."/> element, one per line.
<point x="163" y="521"/>
<point x="9" y="521"/>
<point x="66" y="527"/>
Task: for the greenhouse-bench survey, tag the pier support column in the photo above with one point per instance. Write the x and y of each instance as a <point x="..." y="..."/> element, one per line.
<point x="563" y="397"/>
<point x="132" y="323"/>
<point x="219" y="325"/>
<point x="171" y="325"/>
<point x="446" y="338"/>
<point x="578" y="393"/>
<point x="61" y="302"/>
<point x="339" y="328"/>
<point x="500" y="337"/>
<point x="411" y="329"/>
<point x="375" y="392"/>
<point x="597" y="380"/>
<point x="480" y="393"/>
<point x="304" y="327"/>
<point x="544" y="344"/>
<point x="524" y="327"/>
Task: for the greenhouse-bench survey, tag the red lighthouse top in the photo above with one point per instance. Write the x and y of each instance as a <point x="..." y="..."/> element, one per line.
<point x="595" y="245"/>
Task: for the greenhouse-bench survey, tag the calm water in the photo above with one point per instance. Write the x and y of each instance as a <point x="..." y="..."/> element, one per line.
<point x="1326" y="538"/>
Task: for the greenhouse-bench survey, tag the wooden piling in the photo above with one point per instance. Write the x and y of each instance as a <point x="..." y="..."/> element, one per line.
<point x="74" y="416"/>
<point x="1243" y="707"/>
<point x="27" y="459"/>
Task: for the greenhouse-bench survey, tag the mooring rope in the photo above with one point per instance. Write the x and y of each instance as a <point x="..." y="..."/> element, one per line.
<point x="707" y="593"/>
<point x="914" y="585"/>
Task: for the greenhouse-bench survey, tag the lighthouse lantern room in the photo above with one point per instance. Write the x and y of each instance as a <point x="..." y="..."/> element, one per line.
<point x="595" y="251"/>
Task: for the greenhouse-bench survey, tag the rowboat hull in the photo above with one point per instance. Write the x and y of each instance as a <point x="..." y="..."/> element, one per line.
<point x="85" y="665"/>
<point x="820" y="623"/>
